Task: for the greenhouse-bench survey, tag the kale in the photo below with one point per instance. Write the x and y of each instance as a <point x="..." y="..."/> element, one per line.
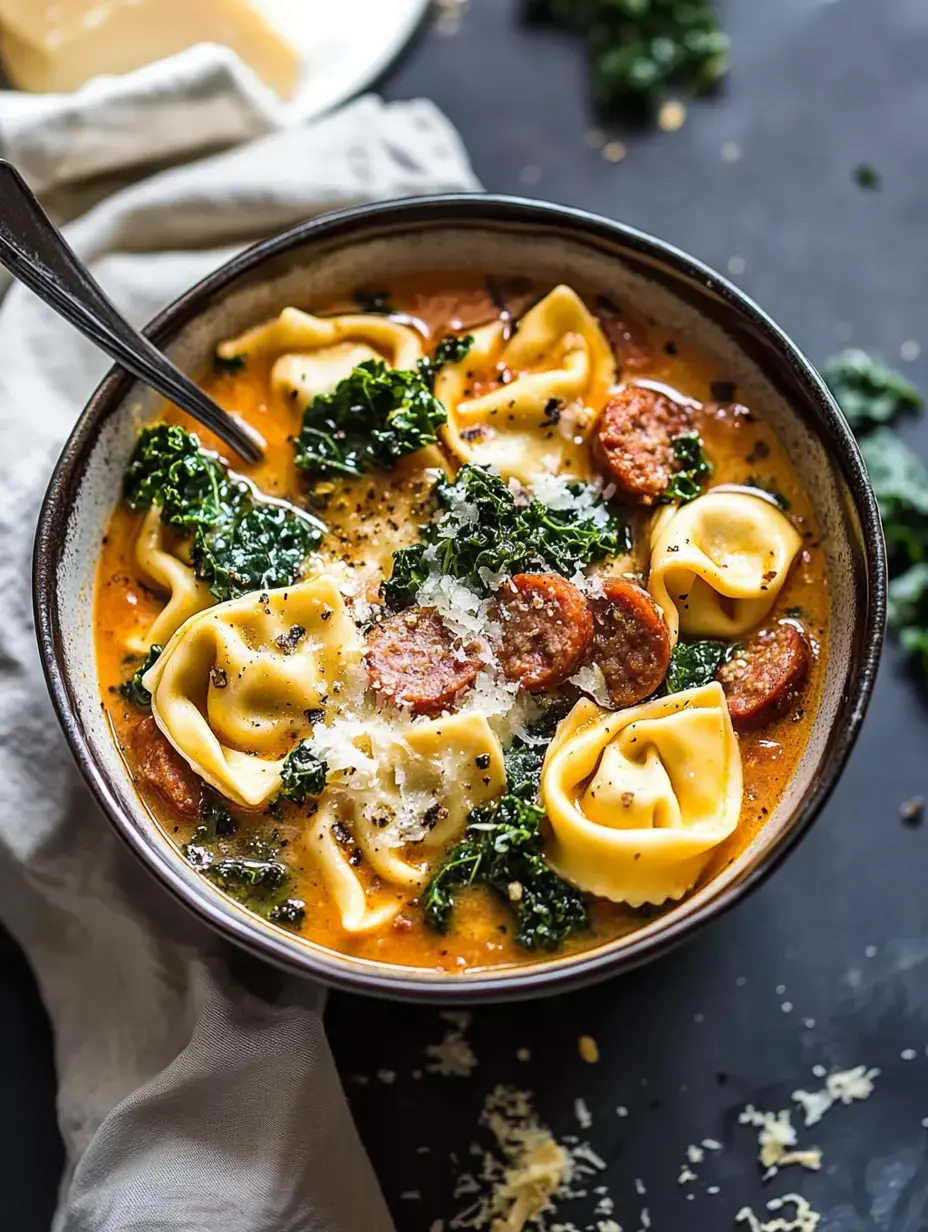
<point x="245" y="878"/>
<point x="900" y="481"/>
<point x="450" y="350"/>
<point x="693" y="664"/>
<point x="288" y="914"/>
<point x="303" y="774"/>
<point x="260" y="549"/>
<point x="132" y="689"/>
<point x="229" y="363"/>
<point x="771" y="490"/>
<point x="374" y="417"/>
<point x="907" y="610"/>
<point x="523" y="764"/>
<point x="215" y="817"/>
<point x="868" y="391"/>
<point x="501" y="849"/>
<point x="241" y="543"/>
<point x="866" y="176"/>
<point x="641" y="48"/>
<point x="692" y="468"/>
<point x="482" y="530"/>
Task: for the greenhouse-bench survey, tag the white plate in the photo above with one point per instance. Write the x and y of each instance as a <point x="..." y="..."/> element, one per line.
<point x="345" y="44"/>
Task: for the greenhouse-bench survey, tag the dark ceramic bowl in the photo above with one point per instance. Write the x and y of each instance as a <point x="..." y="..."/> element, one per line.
<point x="309" y="264"/>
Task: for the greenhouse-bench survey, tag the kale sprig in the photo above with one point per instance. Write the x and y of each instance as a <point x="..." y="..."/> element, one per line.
<point x="482" y="531"/>
<point x="692" y="468"/>
<point x="240" y="543"/>
<point x="693" y="664"/>
<point x="868" y="391"/>
<point x="639" y="49"/>
<point x="132" y="690"/>
<point x="303" y="774"/>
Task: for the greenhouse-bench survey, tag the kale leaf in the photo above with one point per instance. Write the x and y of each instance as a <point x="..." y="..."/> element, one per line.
<point x="868" y="391"/>
<point x="900" y="481"/>
<point x="303" y="774"/>
<point x="692" y="467"/>
<point x="641" y="48"/>
<point x="240" y="543"/>
<point x="132" y="689"/>
<point x="450" y="350"/>
<point x="907" y="610"/>
<point x="693" y="664"/>
<point x="374" y="417"/>
<point x="501" y="849"/>
<point x="482" y="531"/>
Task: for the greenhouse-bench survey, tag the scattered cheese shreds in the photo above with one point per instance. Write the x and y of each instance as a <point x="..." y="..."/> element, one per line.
<point x="453" y="1057"/>
<point x="804" y="1219"/>
<point x="583" y="1114"/>
<point x="844" y="1086"/>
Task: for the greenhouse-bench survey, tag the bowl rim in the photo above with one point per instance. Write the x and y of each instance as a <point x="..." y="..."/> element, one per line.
<point x="535" y="978"/>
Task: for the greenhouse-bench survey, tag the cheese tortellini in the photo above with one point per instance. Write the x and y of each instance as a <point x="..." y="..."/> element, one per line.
<point x="237" y="684"/>
<point x="310" y="354"/>
<point x="719" y="562"/>
<point x="415" y="785"/>
<point x="559" y="368"/>
<point x="169" y="573"/>
<point x="638" y="799"/>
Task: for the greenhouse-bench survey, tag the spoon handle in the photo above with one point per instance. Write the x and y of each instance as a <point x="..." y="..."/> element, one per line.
<point x="36" y="253"/>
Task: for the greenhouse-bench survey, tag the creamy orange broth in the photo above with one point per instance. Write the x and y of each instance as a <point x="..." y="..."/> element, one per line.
<point x="378" y="513"/>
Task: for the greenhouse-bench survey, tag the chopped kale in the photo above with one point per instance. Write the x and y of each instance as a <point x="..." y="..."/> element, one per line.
<point x="866" y="176"/>
<point x="132" y="689"/>
<point x="303" y="774"/>
<point x="693" y="664"/>
<point x="374" y="417"/>
<point x="692" y="468"/>
<point x="900" y="481"/>
<point x="252" y="879"/>
<point x="501" y="849"/>
<point x="451" y="350"/>
<point x="523" y="764"/>
<point x="640" y="49"/>
<point x="229" y="363"/>
<point x="240" y="543"/>
<point x="288" y="914"/>
<point x="868" y="391"/>
<point x="481" y="530"/>
<point x="215" y="816"/>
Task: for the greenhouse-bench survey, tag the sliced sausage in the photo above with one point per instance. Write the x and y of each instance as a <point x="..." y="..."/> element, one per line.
<point x="626" y="336"/>
<point x="547" y="629"/>
<point x="631" y="642"/>
<point x="762" y="680"/>
<point x="161" y="768"/>
<point x="414" y="660"/>
<point x="633" y="443"/>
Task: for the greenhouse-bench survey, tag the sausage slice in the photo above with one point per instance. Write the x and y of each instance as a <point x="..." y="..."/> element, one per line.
<point x="161" y="768"/>
<point x="633" y="444"/>
<point x="631" y="642"/>
<point x="762" y="680"/>
<point x="415" y="661"/>
<point x="547" y="629"/>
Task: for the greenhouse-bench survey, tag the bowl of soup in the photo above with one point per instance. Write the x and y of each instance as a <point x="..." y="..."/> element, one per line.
<point x="540" y="634"/>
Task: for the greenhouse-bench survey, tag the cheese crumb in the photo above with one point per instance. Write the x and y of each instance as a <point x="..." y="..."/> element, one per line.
<point x="844" y="1087"/>
<point x="804" y="1218"/>
<point x="453" y="1057"/>
<point x="588" y="1049"/>
<point x="583" y="1114"/>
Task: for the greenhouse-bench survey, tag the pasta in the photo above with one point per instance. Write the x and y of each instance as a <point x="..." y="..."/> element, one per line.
<point x="719" y="563"/>
<point x="232" y="689"/>
<point x="561" y="368"/>
<point x="637" y="800"/>
<point x="310" y="355"/>
<point x="168" y="573"/>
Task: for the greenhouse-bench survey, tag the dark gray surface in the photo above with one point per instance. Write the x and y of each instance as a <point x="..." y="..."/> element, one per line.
<point x="816" y="88"/>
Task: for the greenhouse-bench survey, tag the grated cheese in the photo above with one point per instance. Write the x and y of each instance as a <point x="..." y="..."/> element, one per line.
<point x="844" y="1086"/>
<point x="776" y="1138"/>
<point x="583" y="1114"/>
<point x="589" y="679"/>
<point x="804" y="1218"/>
<point x="453" y="1057"/>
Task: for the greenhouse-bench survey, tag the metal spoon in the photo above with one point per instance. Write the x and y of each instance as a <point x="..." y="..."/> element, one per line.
<point x="34" y="251"/>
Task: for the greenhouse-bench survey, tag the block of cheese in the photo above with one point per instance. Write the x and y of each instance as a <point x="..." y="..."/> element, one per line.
<point x="57" y="45"/>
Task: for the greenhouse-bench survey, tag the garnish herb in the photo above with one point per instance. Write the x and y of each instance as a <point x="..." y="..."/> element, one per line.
<point x="693" y="664"/>
<point x="132" y="689"/>
<point x="482" y="531"/>
<point x="866" y="176"/>
<point x="639" y="49"/>
<point x="868" y="391"/>
<point x="871" y="395"/>
<point x="374" y="417"/>
<point x="239" y="543"/>
<point x="501" y="849"/>
<point x="303" y="774"/>
<point x="229" y="363"/>
<point x="692" y="468"/>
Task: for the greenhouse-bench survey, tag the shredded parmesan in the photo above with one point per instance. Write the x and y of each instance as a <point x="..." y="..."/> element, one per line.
<point x="453" y="1057"/>
<point x="844" y="1087"/>
<point x="590" y="679"/>
<point x="804" y="1219"/>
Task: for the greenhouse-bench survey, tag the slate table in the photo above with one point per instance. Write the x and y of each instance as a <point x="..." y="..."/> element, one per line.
<point x="827" y="964"/>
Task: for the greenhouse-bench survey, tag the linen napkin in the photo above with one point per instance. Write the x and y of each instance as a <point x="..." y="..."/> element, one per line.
<point x="196" y="1087"/>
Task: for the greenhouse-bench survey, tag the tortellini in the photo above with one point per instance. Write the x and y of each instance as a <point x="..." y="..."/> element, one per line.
<point x="558" y="369"/>
<point x="310" y="355"/>
<point x="237" y="685"/>
<point x="638" y="799"/>
<point x="719" y="562"/>
<point x="413" y="785"/>
<point x="171" y="574"/>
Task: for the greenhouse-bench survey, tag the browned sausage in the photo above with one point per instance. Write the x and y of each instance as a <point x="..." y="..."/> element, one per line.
<point x="762" y="680"/>
<point x="161" y="767"/>
<point x="631" y="643"/>
<point x="547" y="629"/>
<point x="414" y="660"/>
<point x="633" y="443"/>
<point x="626" y="336"/>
